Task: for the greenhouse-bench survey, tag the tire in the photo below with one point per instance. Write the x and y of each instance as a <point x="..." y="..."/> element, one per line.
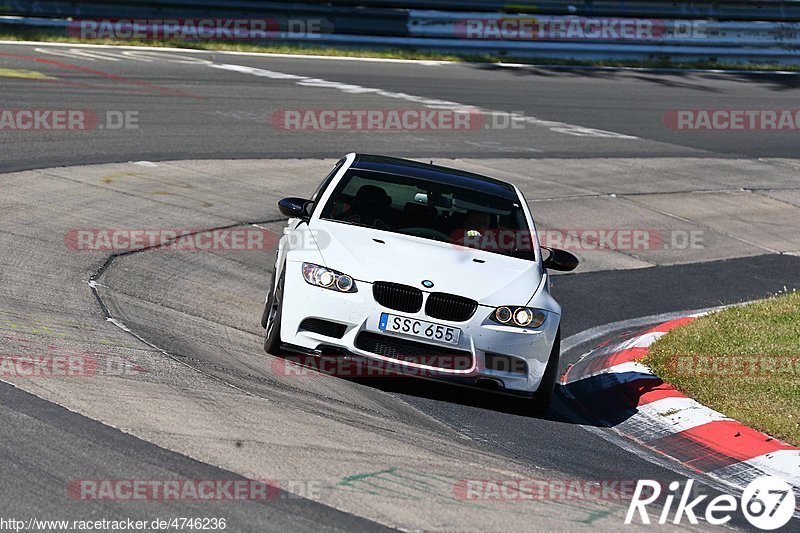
<point x="265" y="314"/>
<point x="544" y="395"/>
<point x="272" y="316"/>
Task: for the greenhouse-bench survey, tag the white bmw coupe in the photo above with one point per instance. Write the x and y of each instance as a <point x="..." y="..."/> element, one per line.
<point x="420" y="269"/>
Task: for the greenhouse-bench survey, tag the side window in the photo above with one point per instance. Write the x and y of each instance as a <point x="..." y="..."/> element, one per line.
<point x="328" y="179"/>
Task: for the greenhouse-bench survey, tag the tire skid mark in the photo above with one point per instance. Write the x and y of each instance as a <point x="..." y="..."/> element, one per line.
<point x="94" y="284"/>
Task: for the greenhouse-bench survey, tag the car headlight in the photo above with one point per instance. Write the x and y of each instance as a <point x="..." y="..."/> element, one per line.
<point x="326" y="278"/>
<point x="523" y="317"/>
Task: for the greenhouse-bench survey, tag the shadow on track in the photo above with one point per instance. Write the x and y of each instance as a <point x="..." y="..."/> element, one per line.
<point x="460" y="395"/>
<point x="671" y="77"/>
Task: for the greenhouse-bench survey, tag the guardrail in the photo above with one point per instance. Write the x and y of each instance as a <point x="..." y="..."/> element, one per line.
<point x="770" y="10"/>
<point x="762" y="10"/>
<point x="540" y="36"/>
<point x="366" y="21"/>
<point x="480" y="26"/>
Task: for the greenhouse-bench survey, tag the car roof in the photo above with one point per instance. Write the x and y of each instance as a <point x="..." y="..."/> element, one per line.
<point x="450" y="176"/>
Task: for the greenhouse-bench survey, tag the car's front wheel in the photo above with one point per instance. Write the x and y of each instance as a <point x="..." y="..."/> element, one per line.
<point x="271" y="319"/>
<point x="265" y="314"/>
<point x="544" y="395"/>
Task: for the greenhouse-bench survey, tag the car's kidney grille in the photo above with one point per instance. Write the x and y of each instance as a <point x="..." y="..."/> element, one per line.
<point x="398" y="297"/>
<point x="414" y="352"/>
<point x="450" y="307"/>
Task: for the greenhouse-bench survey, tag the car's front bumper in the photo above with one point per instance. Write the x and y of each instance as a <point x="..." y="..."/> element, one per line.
<point x="360" y="314"/>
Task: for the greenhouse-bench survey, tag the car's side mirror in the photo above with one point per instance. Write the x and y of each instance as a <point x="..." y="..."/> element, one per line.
<point x="559" y="260"/>
<point x="294" y="207"/>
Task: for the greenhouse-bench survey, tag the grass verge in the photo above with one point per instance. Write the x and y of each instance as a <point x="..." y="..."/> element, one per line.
<point x="742" y="361"/>
<point x="24" y="34"/>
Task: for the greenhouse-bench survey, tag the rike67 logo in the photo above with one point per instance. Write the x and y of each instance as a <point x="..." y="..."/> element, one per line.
<point x="768" y="503"/>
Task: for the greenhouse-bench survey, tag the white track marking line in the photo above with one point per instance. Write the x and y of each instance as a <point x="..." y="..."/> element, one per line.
<point x="422" y="62"/>
<point x="79" y="54"/>
<point x="76" y="53"/>
<point x="554" y="126"/>
<point x="306" y="81"/>
<point x="254" y="71"/>
<point x="433" y="103"/>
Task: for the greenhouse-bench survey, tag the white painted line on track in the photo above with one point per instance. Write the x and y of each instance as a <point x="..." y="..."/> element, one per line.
<point x="136" y="53"/>
<point x="433" y="103"/>
<point x="254" y="71"/>
<point x="80" y="54"/>
<point x="421" y="62"/>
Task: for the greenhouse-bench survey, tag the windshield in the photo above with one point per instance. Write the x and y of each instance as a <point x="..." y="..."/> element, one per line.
<point x="431" y="210"/>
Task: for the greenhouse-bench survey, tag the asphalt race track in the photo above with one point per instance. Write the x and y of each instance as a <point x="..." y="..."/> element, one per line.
<point x="199" y="399"/>
<point x="187" y="111"/>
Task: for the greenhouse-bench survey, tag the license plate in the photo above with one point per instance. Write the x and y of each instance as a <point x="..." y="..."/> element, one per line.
<point x="418" y="328"/>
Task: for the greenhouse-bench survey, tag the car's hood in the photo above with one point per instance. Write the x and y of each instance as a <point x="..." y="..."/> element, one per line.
<point x="498" y="280"/>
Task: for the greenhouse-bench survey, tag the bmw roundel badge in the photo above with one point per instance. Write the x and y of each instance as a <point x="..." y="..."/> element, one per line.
<point x="427" y="283"/>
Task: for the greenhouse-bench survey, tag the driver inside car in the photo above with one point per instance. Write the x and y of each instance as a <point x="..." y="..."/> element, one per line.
<point x="476" y="223"/>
